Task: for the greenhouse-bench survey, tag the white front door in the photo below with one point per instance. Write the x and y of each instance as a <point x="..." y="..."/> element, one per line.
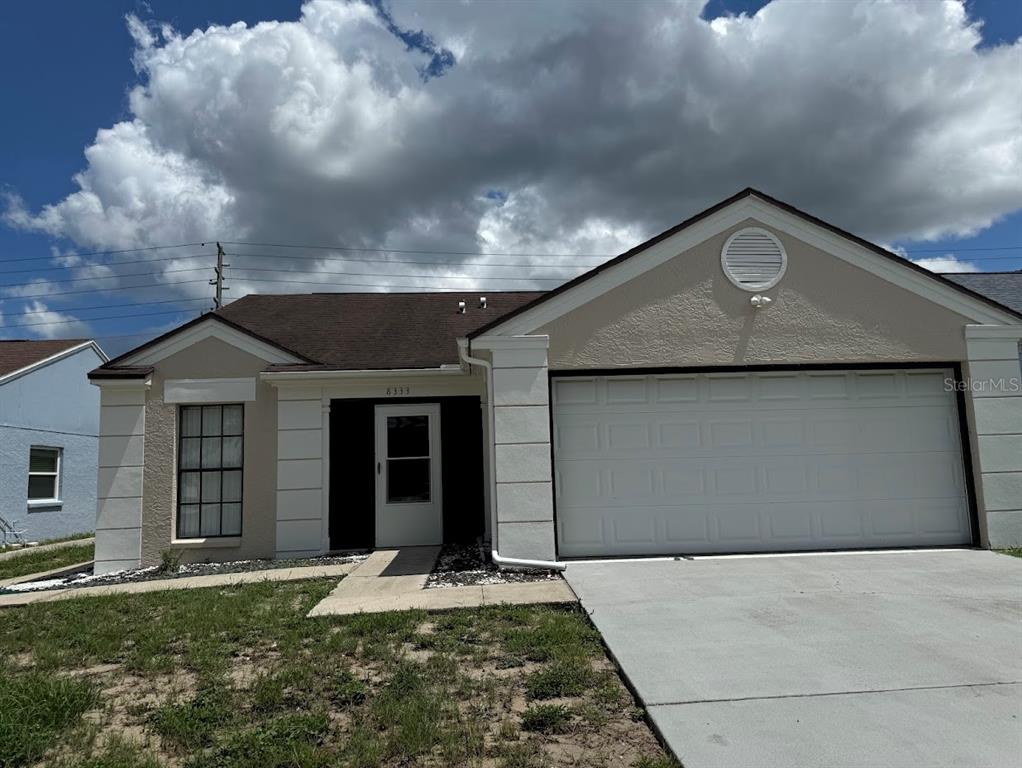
<point x="408" y="493"/>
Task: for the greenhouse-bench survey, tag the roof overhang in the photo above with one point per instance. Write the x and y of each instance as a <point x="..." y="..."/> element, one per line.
<point x="54" y="358"/>
<point x="749" y="204"/>
<point x="319" y="375"/>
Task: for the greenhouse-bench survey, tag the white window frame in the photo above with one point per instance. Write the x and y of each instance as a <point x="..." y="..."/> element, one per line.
<point x="57" y="479"/>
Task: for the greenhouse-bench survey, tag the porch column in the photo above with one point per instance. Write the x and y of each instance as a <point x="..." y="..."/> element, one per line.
<point x="994" y="393"/>
<point x="300" y="465"/>
<point x="119" y="486"/>
<point x="521" y="434"/>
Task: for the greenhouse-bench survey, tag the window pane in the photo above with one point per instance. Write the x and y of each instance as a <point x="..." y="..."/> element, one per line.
<point x="189" y="490"/>
<point x="210" y="520"/>
<point x="211" y="420"/>
<point x="232" y="486"/>
<point x="232" y="520"/>
<point x="232" y="452"/>
<point x="211" y="486"/>
<point x="42" y="460"/>
<point x="191" y="422"/>
<point x="42" y="486"/>
<point x="408" y="480"/>
<point x="210" y="452"/>
<point x="407" y="436"/>
<point x="234" y="416"/>
<point x="188" y="521"/>
<point x="190" y="452"/>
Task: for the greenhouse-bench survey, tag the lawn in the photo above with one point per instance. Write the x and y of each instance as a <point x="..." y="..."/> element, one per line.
<point x="46" y="560"/>
<point x="1017" y="552"/>
<point x="238" y="677"/>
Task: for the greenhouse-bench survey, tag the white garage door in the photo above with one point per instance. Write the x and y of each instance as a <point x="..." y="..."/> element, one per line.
<point x="757" y="462"/>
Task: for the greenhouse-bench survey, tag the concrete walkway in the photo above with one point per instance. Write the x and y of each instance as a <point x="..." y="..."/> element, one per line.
<point x="395" y="580"/>
<point x="897" y="659"/>
<point x="187" y="582"/>
<point x="8" y="554"/>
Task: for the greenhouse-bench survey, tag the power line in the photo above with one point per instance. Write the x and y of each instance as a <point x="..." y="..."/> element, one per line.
<point x="103" y="290"/>
<point x="109" y="306"/>
<point x="95" y="319"/>
<point x="110" y="264"/>
<point x="401" y="274"/>
<point x="109" y="253"/>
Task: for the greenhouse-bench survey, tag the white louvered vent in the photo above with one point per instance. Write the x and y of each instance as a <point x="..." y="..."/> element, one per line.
<point x="753" y="259"/>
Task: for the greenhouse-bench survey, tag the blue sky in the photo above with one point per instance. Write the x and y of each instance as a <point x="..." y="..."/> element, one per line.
<point x="68" y="69"/>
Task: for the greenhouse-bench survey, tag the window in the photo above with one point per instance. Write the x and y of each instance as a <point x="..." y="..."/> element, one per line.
<point x="210" y="471"/>
<point x="44" y="474"/>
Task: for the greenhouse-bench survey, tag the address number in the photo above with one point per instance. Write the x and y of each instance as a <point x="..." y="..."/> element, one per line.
<point x="398" y="391"/>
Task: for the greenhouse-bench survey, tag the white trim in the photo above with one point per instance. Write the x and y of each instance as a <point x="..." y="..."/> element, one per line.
<point x="210" y="328"/>
<point x="325" y="511"/>
<point x="519" y="341"/>
<point x="58" y="481"/>
<point x="751" y="207"/>
<point x="124" y="384"/>
<point x="277" y="378"/>
<point x="54" y="358"/>
<point x="209" y="390"/>
<point x="993" y="332"/>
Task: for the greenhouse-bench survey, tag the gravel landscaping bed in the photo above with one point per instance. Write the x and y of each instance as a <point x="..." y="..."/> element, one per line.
<point x="468" y="565"/>
<point x="86" y="578"/>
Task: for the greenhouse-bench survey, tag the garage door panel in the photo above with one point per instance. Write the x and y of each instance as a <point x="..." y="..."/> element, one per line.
<point x="757" y="462"/>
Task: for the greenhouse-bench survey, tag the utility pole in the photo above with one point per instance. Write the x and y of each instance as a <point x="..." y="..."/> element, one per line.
<point x="218" y="281"/>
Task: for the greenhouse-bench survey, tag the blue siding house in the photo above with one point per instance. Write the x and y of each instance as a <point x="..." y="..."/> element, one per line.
<point x="49" y="438"/>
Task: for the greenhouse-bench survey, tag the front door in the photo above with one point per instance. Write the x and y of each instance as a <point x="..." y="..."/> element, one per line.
<point x="408" y="493"/>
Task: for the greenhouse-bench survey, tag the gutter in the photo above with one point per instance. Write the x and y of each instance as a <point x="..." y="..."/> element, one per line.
<point x="464" y="352"/>
<point x="377" y="373"/>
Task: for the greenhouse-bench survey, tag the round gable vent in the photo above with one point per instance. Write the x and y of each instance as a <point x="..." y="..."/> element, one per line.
<point x="753" y="259"/>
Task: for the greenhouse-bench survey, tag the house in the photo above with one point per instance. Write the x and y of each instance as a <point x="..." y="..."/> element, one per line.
<point x="751" y="380"/>
<point x="49" y="437"/>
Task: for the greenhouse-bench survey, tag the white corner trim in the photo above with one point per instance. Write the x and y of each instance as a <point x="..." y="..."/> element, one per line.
<point x="536" y="341"/>
<point x="765" y="213"/>
<point x="214" y="329"/>
<point x="1000" y="332"/>
<point x="127" y="384"/>
<point x="278" y="378"/>
<point x="54" y="358"/>
<point x="209" y="390"/>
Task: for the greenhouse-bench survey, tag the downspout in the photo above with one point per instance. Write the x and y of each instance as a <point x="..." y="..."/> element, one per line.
<point x="491" y="459"/>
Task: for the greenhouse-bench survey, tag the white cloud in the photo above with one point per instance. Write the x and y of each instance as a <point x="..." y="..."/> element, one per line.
<point x="597" y="125"/>
<point x="41" y="321"/>
<point x="948" y="263"/>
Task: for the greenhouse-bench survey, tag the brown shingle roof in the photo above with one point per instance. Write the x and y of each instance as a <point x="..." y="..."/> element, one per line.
<point x="16" y="354"/>
<point x="358" y="331"/>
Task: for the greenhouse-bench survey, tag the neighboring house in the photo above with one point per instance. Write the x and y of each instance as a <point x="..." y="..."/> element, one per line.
<point x="1003" y="287"/>
<point x="49" y="436"/>
<point x="751" y="380"/>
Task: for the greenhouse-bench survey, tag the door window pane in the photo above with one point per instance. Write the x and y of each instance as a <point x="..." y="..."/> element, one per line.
<point x="231" y="490"/>
<point x="407" y="480"/>
<point x="190" y="452"/>
<point x="407" y="436"/>
<point x="211" y="453"/>
<point x="191" y="422"/>
<point x="231" y="456"/>
<point x="210" y="520"/>
<point x="189" y="487"/>
<point x="188" y="521"/>
<point x="231" y="523"/>
<point x="210" y="486"/>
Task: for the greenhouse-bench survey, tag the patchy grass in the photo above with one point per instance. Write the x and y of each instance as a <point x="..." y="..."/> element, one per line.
<point x="1014" y="552"/>
<point x="238" y="677"/>
<point x="47" y="560"/>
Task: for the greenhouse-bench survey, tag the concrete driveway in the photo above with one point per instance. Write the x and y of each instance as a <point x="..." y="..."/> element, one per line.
<point x="873" y="659"/>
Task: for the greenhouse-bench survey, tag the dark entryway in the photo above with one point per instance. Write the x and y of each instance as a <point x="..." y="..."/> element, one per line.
<point x="353" y="469"/>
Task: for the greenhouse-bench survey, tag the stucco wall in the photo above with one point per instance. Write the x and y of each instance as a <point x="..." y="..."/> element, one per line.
<point x="686" y="312"/>
<point x="52" y="406"/>
<point x="212" y="359"/>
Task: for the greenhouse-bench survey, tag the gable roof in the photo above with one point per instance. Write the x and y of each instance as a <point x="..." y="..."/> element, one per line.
<point x="18" y="356"/>
<point x="371" y="331"/>
<point x="1003" y="287"/>
<point x="745" y="193"/>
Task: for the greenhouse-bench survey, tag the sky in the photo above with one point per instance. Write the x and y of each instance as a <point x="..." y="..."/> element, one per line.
<point x="475" y="145"/>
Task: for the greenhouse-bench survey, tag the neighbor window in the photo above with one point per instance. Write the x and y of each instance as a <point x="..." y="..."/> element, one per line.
<point x="44" y="474"/>
<point x="209" y="471"/>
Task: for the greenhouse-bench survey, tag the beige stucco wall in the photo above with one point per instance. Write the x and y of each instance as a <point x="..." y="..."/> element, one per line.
<point x="686" y="313"/>
<point x="212" y="359"/>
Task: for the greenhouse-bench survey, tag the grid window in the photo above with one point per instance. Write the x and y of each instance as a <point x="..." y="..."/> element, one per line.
<point x="210" y="471"/>
<point x="44" y="474"/>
